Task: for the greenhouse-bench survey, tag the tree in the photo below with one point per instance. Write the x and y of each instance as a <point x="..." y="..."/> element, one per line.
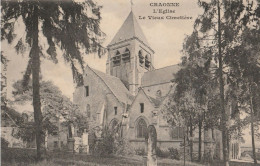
<point x="244" y="63"/>
<point x="199" y="88"/>
<point x="223" y="21"/>
<point x="56" y="107"/>
<point x="248" y="78"/>
<point x="65" y="24"/>
<point x="199" y="80"/>
<point x="4" y="61"/>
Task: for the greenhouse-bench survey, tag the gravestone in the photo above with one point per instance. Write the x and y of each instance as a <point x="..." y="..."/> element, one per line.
<point x="77" y="144"/>
<point x="208" y="146"/>
<point x="151" y="144"/>
<point x="85" y="142"/>
<point x="71" y="140"/>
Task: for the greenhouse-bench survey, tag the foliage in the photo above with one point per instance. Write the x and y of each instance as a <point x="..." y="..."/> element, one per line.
<point x="105" y="146"/>
<point x="4" y="61"/>
<point x="69" y="25"/>
<point x="111" y="143"/>
<point x="18" y="155"/>
<point x="68" y="29"/>
<point x="4" y="143"/>
<point x="55" y="159"/>
<point x="175" y="154"/>
<point x="251" y="154"/>
<point x="162" y="153"/>
<point x="220" y="64"/>
<point x="55" y="107"/>
<point x="172" y="153"/>
<point x="140" y="151"/>
<point x="123" y="147"/>
<point x="207" y="157"/>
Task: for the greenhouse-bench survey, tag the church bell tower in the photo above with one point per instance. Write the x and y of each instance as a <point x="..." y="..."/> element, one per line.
<point x="129" y="54"/>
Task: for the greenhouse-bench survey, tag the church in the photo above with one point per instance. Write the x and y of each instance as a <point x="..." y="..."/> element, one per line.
<point x="131" y="92"/>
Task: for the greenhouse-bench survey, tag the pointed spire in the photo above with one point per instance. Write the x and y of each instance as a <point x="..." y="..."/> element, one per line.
<point x="129" y="30"/>
<point x="132" y="4"/>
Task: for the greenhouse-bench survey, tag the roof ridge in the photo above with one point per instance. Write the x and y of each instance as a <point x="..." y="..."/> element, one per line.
<point x="106" y="85"/>
<point x="134" y="24"/>
<point x="95" y="71"/>
<point x="162" y="68"/>
<point x="138" y="93"/>
<point x="129" y="29"/>
<point x="149" y="97"/>
<point x="135" y="30"/>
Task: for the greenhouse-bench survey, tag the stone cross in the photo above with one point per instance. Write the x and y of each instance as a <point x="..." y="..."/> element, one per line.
<point x="151" y="141"/>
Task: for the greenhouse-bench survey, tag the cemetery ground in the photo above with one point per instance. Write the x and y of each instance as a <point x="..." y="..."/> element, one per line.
<point x="26" y="157"/>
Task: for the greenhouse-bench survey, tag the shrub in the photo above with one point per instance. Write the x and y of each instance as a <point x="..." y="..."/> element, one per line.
<point x="4" y="143"/>
<point x="174" y="153"/>
<point x="251" y="154"/>
<point x="122" y="147"/>
<point x="111" y="143"/>
<point x="207" y="157"/>
<point x="162" y="153"/>
<point x="140" y="151"/>
<point x="104" y="146"/>
<point x="17" y="155"/>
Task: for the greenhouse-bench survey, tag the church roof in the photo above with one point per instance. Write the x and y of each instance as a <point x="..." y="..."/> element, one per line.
<point x="159" y="76"/>
<point x="116" y="86"/>
<point x="129" y="30"/>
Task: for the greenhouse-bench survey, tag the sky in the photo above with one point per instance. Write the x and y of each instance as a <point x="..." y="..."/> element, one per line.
<point x="164" y="36"/>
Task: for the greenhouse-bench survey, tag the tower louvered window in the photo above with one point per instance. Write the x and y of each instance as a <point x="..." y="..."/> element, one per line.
<point x="147" y="62"/>
<point x="126" y="55"/>
<point x="86" y="91"/>
<point x="141" y="58"/>
<point x="117" y="59"/>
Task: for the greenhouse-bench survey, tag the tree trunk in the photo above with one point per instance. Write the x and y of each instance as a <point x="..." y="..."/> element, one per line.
<point x="36" y="82"/>
<point x="191" y="140"/>
<point x="46" y="140"/>
<point x="253" y="140"/>
<point x="59" y="143"/>
<point x="200" y="128"/>
<point x="252" y="126"/>
<point x="222" y="97"/>
<point x="184" y="157"/>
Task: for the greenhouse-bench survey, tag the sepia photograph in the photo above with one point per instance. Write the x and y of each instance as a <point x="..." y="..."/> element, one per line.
<point x="130" y="83"/>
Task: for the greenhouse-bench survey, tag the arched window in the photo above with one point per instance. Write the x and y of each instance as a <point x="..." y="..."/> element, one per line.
<point x="141" y="58"/>
<point x="88" y="110"/>
<point x="141" y="128"/>
<point x="126" y="55"/>
<point x="25" y="117"/>
<point x="114" y="125"/>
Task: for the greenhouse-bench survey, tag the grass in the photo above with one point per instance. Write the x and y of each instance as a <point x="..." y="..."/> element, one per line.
<point x="26" y="157"/>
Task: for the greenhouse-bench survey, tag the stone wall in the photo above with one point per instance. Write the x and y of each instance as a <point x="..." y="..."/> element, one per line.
<point x="99" y="96"/>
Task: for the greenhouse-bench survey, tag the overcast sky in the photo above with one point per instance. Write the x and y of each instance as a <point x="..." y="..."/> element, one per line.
<point x="164" y="36"/>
